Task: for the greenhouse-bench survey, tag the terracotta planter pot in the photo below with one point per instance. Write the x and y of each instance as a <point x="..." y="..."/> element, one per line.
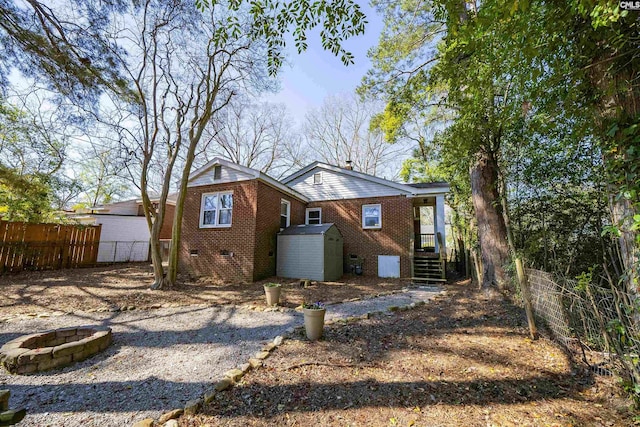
<point x="314" y="323"/>
<point x="273" y="294"/>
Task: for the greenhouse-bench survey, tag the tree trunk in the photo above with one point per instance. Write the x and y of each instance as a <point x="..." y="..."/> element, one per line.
<point x="176" y="231"/>
<point x="154" y="219"/>
<point x="198" y="125"/>
<point x="622" y="215"/>
<point x="156" y="215"/>
<point x="619" y="108"/>
<point x="477" y="268"/>
<point x="156" y="254"/>
<point x="492" y="234"/>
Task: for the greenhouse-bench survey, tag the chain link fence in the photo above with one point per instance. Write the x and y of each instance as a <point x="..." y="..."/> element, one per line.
<point x="596" y="322"/>
<point x="123" y="251"/>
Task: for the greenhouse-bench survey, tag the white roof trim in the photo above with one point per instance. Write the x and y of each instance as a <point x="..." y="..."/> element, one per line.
<point x="226" y="163"/>
<point x="301" y="172"/>
<point x="412" y="191"/>
<point x="172" y="199"/>
<point x="280" y="186"/>
<point x="256" y="174"/>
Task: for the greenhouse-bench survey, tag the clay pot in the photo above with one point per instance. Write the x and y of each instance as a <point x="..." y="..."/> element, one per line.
<point x="273" y="294"/>
<point x="314" y="322"/>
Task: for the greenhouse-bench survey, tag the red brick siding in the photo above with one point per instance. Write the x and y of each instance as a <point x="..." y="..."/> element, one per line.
<point x="167" y="224"/>
<point x="256" y="222"/>
<point x="268" y="226"/>
<point x="238" y="239"/>
<point x="392" y="239"/>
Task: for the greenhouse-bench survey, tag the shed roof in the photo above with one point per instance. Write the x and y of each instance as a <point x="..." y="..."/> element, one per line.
<point x="306" y="229"/>
<point x="435" y="184"/>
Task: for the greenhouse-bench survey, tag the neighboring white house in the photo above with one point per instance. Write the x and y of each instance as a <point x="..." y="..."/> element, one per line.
<point x="125" y="233"/>
<point x="123" y="238"/>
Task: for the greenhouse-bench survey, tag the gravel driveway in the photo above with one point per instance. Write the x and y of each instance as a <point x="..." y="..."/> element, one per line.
<point x="159" y="359"/>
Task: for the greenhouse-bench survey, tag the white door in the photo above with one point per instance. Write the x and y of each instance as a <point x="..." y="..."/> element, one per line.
<point x="388" y="266"/>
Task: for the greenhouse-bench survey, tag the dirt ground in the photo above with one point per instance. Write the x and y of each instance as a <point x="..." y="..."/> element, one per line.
<point x="115" y="287"/>
<point x="461" y="360"/>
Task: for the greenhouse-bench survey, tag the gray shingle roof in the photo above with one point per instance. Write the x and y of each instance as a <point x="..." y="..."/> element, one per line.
<point x="435" y="184"/>
<point x="306" y="229"/>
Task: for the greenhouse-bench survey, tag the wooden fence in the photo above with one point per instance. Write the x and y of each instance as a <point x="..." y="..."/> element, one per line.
<point x="25" y="246"/>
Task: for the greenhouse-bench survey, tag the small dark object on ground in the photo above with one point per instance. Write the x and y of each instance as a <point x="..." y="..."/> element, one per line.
<point x="305" y="283"/>
<point x="9" y="417"/>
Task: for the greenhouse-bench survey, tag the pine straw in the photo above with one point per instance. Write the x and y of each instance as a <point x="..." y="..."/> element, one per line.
<point x="463" y="359"/>
<point x="127" y="285"/>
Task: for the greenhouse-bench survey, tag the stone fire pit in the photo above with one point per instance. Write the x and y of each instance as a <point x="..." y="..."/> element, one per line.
<point x="53" y="349"/>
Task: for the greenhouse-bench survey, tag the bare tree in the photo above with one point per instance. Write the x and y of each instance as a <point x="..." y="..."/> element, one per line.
<point x="34" y="152"/>
<point x="184" y="66"/>
<point x="339" y="130"/>
<point x="101" y="179"/>
<point x="255" y="135"/>
<point x="155" y="72"/>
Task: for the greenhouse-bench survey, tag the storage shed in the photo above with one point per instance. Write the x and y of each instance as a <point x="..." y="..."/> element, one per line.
<point x="310" y="252"/>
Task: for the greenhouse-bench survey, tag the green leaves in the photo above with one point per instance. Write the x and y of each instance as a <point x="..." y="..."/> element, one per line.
<point x="515" y="79"/>
<point x="65" y="46"/>
<point x="338" y="20"/>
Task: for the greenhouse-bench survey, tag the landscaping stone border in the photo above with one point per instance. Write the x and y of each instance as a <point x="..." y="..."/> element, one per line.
<point x="233" y="376"/>
<point x="53" y="349"/>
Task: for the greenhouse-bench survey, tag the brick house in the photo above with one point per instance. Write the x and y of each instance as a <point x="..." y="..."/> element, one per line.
<point x="232" y="216"/>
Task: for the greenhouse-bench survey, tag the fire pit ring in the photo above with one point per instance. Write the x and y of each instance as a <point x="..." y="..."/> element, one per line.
<point x="53" y="349"/>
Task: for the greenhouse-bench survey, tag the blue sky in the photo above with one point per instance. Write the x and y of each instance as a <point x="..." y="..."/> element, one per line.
<point x="316" y="73"/>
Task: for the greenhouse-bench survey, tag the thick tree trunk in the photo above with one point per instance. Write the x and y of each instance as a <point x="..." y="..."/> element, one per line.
<point x="492" y="233"/>
<point x="622" y="215"/>
<point x="620" y="106"/>
<point x="154" y="219"/>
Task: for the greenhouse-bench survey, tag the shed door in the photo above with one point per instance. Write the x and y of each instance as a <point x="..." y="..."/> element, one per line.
<point x="388" y="266"/>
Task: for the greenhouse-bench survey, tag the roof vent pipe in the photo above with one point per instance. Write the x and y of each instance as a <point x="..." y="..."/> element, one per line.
<point x="348" y="166"/>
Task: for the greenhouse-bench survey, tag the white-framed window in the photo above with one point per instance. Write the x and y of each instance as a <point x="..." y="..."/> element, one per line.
<point x="285" y="213"/>
<point x="313" y="216"/>
<point x="317" y="178"/>
<point x="216" y="209"/>
<point x="372" y="216"/>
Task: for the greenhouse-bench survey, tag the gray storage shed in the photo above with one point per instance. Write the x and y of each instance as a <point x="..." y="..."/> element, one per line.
<point x="310" y="252"/>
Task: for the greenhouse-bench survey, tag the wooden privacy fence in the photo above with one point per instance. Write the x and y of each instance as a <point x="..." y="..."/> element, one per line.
<point x="25" y="246"/>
